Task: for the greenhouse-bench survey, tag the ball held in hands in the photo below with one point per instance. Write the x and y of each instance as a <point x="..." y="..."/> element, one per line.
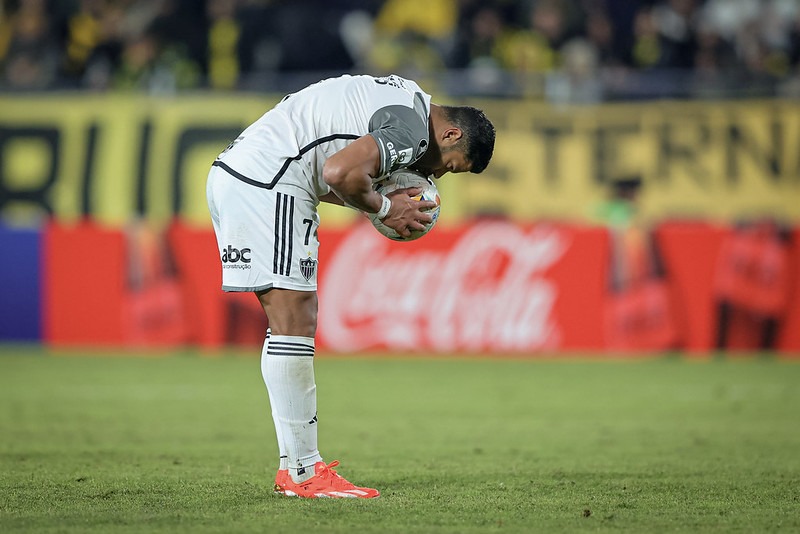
<point x="403" y="179"/>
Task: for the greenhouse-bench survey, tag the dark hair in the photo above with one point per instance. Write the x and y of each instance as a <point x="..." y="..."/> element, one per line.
<point x="478" y="132"/>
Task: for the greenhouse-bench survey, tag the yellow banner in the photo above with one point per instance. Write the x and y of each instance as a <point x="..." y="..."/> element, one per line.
<point x="700" y="159"/>
<point x="115" y="157"/>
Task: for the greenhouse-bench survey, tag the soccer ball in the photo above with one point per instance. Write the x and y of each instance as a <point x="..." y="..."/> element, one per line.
<point x="401" y="179"/>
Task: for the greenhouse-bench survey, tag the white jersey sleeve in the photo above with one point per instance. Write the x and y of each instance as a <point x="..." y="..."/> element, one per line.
<point x="287" y="147"/>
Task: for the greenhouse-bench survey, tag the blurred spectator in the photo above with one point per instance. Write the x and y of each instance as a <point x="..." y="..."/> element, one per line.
<point x="790" y="88"/>
<point x="431" y="19"/>
<point x="118" y="45"/>
<point x="629" y="236"/>
<point x="638" y="312"/>
<point x="675" y="20"/>
<point x="147" y="48"/>
<point x="535" y="46"/>
<point x="413" y="34"/>
<point x="600" y="34"/>
<point x="137" y="64"/>
<point x="646" y="51"/>
<point x="751" y="285"/>
<point x="84" y="33"/>
<point x="577" y="81"/>
<point x="309" y="37"/>
<point x="148" y="64"/>
<point x="95" y="38"/>
<point x="622" y="14"/>
<point x="478" y="30"/>
<point x="584" y="49"/>
<point x="181" y="27"/>
<point x="29" y="51"/>
<point x="259" y="43"/>
<point x="714" y="53"/>
<point x="664" y="36"/>
<point x="224" y="33"/>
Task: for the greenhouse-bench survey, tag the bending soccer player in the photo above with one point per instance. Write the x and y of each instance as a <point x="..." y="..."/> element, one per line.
<point x="328" y="142"/>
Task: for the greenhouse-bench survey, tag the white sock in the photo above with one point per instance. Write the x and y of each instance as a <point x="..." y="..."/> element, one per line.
<point x="287" y="365"/>
<point x="282" y="456"/>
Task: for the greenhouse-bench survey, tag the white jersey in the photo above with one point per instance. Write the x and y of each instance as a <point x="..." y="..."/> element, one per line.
<point x="287" y="147"/>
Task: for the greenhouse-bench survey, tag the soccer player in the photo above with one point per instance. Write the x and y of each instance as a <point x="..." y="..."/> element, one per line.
<point x="328" y="142"/>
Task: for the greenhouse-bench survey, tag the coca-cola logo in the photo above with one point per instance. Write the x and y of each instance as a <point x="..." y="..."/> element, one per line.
<point x="485" y="290"/>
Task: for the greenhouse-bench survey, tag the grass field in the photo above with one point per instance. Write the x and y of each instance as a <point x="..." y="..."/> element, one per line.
<point x="184" y="443"/>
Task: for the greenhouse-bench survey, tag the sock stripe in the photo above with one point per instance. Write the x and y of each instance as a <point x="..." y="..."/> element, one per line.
<point x="288" y="345"/>
<point x="275" y="353"/>
<point x="283" y="348"/>
<point x="283" y="352"/>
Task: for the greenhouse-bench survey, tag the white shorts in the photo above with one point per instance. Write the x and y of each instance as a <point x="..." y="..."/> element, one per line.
<point x="265" y="238"/>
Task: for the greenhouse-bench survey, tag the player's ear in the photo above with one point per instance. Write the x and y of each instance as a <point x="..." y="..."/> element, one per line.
<point x="452" y="135"/>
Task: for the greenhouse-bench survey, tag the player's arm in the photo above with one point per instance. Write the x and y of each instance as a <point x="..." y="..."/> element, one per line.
<point x="349" y="173"/>
<point x="331" y="198"/>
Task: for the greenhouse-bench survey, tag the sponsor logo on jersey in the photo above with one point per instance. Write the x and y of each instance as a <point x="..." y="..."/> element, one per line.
<point x="234" y="258"/>
<point x="392" y="152"/>
<point x="404" y="156"/>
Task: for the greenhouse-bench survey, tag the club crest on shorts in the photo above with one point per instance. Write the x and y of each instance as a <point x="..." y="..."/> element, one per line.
<point x="308" y="267"/>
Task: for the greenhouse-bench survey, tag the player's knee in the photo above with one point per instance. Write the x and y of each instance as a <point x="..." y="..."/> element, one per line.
<point x="290" y="313"/>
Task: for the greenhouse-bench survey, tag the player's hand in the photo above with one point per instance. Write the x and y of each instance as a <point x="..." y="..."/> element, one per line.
<point x="407" y="213"/>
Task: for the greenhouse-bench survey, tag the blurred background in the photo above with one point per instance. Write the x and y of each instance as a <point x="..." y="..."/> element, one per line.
<point x="644" y="195"/>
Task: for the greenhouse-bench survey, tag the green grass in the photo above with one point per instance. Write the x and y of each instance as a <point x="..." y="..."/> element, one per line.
<point x="184" y="443"/>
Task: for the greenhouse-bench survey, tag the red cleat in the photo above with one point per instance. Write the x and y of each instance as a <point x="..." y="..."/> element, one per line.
<point x="325" y="483"/>
<point x="280" y="480"/>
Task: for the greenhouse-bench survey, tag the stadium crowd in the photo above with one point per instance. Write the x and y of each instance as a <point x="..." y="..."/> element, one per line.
<point x="576" y="49"/>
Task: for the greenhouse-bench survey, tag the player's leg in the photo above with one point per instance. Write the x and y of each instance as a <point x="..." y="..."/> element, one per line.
<point x="259" y="250"/>
<point x="283" y="457"/>
<point x="289" y="374"/>
<point x="288" y="369"/>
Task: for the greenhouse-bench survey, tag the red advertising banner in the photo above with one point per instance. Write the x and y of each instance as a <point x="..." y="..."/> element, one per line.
<point x="490" y="286"/>
<point x="83" y="284"/>
<point x="789" y="334"/>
